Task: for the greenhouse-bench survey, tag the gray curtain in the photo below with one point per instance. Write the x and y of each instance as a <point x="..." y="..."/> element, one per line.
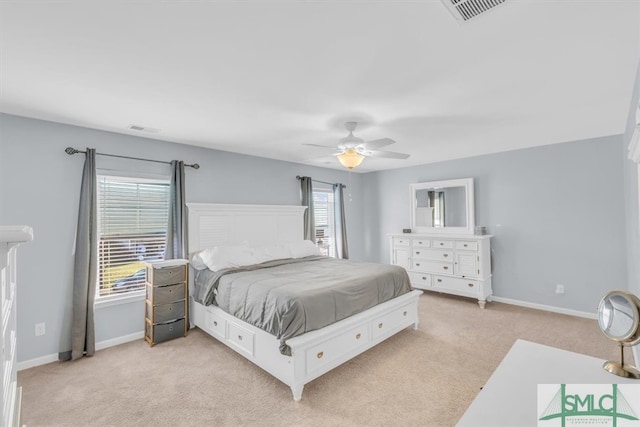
<point x="306" y="188"/>
<point x="342" y="250"/>
<point x="83" y="340"/>
<point x="176" y="247"/>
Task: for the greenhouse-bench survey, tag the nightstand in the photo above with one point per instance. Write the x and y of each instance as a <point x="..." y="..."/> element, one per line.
<point x="166" y="299"/>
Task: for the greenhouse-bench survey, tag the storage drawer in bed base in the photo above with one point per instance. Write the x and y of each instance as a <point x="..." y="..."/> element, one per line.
<point x="315" y="352"/>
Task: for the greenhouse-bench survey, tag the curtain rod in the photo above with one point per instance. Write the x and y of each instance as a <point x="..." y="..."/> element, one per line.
<point x="70" y="151"/>
<point x="298" y="177"/>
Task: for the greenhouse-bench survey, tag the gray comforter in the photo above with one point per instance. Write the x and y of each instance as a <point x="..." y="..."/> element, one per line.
<point x="290" y="297"/>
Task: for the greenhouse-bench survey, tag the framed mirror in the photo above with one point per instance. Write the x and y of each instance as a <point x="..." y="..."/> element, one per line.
<point x="619" y="320"/>
<point x="443" y="206"/>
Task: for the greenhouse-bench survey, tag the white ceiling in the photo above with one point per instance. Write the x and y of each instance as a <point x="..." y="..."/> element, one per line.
<point x="265" y="77"/>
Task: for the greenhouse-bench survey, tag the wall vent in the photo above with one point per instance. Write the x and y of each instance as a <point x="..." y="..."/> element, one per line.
<point x="143" y="129"/>
<point x="467" y="9"/>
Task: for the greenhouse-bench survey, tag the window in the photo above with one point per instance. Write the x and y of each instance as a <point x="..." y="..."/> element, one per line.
<point x="133" y="215"/>
<point x="323" y="216"/>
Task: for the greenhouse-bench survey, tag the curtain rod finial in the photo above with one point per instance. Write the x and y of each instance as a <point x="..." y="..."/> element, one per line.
<point x="195" y="166"/>
<point x="70" y="150"/>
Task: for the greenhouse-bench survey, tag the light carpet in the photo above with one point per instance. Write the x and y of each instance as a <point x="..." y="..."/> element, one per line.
<point x="426" y="377"/>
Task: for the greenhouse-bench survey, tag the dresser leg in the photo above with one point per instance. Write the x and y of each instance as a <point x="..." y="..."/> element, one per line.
<point x="482" y="303"/>
<point x="297" y="392"/>
<point x="415" y="326"/>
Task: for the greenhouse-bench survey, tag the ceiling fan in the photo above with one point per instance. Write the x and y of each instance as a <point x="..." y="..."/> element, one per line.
<point x="352" y="150"/>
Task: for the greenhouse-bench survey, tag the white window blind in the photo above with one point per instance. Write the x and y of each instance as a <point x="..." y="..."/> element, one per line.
<point x="132" y="224"/>
<point x="323" y="216"/>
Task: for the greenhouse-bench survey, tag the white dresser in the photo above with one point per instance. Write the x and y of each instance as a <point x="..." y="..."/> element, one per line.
<point x="454" y="264"/>
<point x="10" y="238"/>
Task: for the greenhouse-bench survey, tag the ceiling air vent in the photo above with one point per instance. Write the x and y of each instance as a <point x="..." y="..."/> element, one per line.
<point x="143" y="129"/>
<point x="467" y="9"/>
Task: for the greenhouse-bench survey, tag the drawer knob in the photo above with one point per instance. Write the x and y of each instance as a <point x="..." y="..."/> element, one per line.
<point x="404" y="314"/>
<point x="417" y="252"/>
<point x="358" y="336"/>
<point x="171" y="328"/>
<point x="470" y="285"/>
<point x="418" y="264"/>
<point x="379" y="325"/>
<point x="240" y="337"/>
<point x="424" y="278"/>
<point x="419" y="243"/>
<point x="445" y="267"/>
<point x="445" y="255"/>
<point x="465" y="245"/>
<point x="441" y="244"/>
<point x="319" y="355"/>
<point x="215" y="323"/>
<point x="440" y="280"/>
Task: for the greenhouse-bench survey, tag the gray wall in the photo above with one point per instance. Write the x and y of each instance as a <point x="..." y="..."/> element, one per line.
<point x="631" y="197"/>
<point x="557" y="213"/>
<point x="41" y="189"/>
<point x="561" y="210"/>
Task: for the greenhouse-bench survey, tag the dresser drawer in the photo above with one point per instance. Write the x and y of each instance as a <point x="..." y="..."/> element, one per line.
<point x="457" y="284"/>
<point x="400" y="241"/>
<point x="241" y="338"/>
<point x="423" y="243"/>
<point x="164" y="294"/>
<point x="166" y="275"/>
<point x="164" y="331"/>
<point x="420" y="280"/>
<point x="215" y="324"/>
<point x="319" y="355"/>
<point x="444" y="244"/>
<point x="432" y="254"/>
<point x="433" y="266"/>
<point x="391" y="322"/>
<point x="165" y="312"/>
<point x="467" y="246"/>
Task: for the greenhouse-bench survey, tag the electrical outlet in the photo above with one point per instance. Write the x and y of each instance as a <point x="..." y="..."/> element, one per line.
<point x="559" y="289"/>
<point x="40" y="329"/>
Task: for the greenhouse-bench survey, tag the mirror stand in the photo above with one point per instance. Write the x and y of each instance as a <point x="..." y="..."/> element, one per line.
<point x="619" y="320"/>
<point x="620" y="369"/>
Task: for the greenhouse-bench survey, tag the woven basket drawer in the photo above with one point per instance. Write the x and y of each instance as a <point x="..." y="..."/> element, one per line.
<point x="165" y="294"/>
<point x="165" y="331"/>
<point x="166" y="275"/>
<point x="165" y="312"/>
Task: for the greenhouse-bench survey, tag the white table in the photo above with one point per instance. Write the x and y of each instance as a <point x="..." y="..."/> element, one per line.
<point x="510" y="396"/>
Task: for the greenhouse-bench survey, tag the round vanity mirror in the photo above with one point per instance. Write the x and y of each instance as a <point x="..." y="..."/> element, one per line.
<point x="618" y="318"/>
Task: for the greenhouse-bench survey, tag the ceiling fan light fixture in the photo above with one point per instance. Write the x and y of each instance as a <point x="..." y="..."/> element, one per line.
<point x="350" y="158"/>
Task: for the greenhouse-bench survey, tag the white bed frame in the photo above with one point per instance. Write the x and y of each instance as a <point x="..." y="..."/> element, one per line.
<point x="313" y="353"/>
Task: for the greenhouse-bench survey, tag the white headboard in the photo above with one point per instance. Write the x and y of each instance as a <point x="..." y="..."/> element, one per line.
<point x="213" y="224"/>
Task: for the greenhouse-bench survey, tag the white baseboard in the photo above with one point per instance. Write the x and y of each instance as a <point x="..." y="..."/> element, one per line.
<point x="32" y="363"/>
<point x="119" y="340"/>
<point x="551" y="308"/>
<point x="43" y="360"/>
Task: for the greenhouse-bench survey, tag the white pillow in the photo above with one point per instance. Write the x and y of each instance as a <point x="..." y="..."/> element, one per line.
<point x="269" y="253"/>
<point x="303" y="248"/>
<point x="197" y="262"/>
<point x="221" y="257"/>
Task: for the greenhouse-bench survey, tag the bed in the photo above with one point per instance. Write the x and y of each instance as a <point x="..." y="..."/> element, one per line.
<point x="298" y="360"/>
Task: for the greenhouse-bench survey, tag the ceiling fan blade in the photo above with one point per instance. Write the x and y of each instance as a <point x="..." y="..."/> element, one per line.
<point x="388" y="155"/>
<point x="378" y="143"/>
<point x="332" y="147"/>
